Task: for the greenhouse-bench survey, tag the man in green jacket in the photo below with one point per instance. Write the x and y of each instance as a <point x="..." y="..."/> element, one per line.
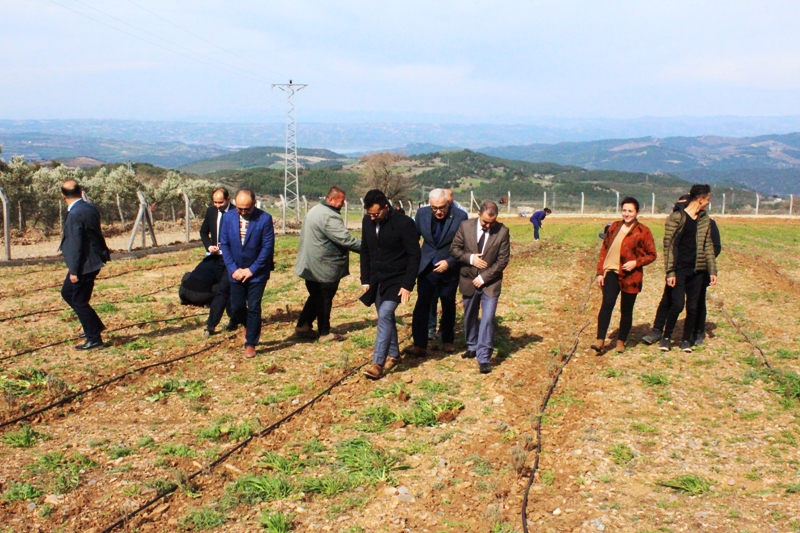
<point x="323" y="260"/>
<point x="689" y="255"/>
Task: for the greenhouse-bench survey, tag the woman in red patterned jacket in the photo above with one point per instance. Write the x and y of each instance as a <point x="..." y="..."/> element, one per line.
<point x="627" y="248"/>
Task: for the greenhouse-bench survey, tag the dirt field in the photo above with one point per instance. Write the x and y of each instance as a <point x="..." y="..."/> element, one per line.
<point x="434" y="446"/>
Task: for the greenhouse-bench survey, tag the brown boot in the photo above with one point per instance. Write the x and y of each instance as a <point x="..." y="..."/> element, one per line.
<point x="598" y="345"/>
<point x="390" y="363"/>
<point x="620" y="346"/>
<point x="373" y="371"/>
<point x="415" y="351"/>
<point x="249" y="352"/>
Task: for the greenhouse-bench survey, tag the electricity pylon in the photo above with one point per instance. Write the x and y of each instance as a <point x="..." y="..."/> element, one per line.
<point x="291" y="182"/>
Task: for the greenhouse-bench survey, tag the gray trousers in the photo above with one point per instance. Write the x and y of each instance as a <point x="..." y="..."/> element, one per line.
<point x="386" y="340"/>
<point x="480" y="332"/>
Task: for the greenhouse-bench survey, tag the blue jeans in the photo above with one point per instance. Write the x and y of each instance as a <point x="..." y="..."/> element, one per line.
<point x="246" y="308"/>
<point x="536" y="232"/>
<point x="480" y="332"/>
<point x="386" y="340"/>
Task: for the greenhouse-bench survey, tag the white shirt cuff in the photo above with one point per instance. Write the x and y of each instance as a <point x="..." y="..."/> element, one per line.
<point x="480" y="278"/>
<point x="470" y="258"/>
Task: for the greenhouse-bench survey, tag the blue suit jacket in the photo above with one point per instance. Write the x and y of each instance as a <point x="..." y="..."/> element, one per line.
<point x="431" y="252"/>
<point x="259" y="244"/>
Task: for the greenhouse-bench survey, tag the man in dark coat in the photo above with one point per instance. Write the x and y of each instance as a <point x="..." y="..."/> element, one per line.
<point x="483" y="247"/>
<point x="389" y="264"/>
<point x="209" y="234"/>
<point x="247" y="241"/>
<point x="85" y="252"/>
<point x="437" y="223"/>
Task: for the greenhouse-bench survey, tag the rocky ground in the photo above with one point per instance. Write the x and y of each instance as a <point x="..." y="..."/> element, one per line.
<point x="643" y="441"/>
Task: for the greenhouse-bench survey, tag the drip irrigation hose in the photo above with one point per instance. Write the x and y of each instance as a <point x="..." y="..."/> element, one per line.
<point x="739" y="329"/>
<point x="222" y="458"/>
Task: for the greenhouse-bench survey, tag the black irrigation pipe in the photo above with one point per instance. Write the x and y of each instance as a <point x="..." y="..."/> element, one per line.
<point x="545" y="400"/>
<point x="127" y="326"/>
<point x="98" y="280"/>
<point x="55" y="310"/>
<point x="109" y="381"/>
<point x="264" y="432"/>
<point x="739" y="329"/>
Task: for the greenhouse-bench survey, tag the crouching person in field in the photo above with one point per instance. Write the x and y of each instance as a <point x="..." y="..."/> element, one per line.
<point x="247" y="241"/>
<point x="389" y="263"/>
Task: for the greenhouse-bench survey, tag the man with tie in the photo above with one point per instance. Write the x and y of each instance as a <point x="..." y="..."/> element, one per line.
<point x="247" y="242"/>
<point x="209" y="234"/>
<point x="483" y="247"/>
<point x="437" y="223"/>
<point x="85" y="252"/>
<point x="389" y="265"/>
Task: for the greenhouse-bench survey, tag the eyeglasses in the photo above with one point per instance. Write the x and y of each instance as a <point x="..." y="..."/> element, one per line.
<point x="435" y="208"/>
<point x="373" y="216"/>
<point x="245" y="209"/>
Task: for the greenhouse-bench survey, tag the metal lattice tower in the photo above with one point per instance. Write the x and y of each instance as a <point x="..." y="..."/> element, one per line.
<point x="291" y="182"/>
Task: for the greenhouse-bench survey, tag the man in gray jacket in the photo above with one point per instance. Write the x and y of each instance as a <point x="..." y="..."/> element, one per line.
<point x="323" y="260"/>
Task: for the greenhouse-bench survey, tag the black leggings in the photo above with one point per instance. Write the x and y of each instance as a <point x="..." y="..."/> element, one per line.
<point x="610" y="292"/>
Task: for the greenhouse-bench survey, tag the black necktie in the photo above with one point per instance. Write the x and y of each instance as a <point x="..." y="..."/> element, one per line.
<point x="481" y="242"/>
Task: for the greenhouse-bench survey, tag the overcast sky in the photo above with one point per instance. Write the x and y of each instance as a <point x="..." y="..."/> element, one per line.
<point x="432" y="60"/>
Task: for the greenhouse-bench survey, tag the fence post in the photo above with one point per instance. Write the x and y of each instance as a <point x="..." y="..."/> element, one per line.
<point x="508" y="201"/>
<point x="471" y="201"/>
<point x="544" y="200"/>
<point x="305" y="203"/>
<point x="617" y="211"/>
<point x="757" y="202"/>
<point x="187" y="205"/>
<point x="723" y="203"/>
<point x="791" y="203"/>
<point x="653" y="204"/>
<point x="119" y="207"/>
<point x="6" y="223"/>
<point x="362" y="207"/>
<point x="582" y="200"/>
<point x="283" y="214"/>
<point x="346" y="208"/>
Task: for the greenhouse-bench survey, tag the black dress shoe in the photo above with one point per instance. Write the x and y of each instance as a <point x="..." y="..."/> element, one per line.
<point x="469" y="354"/>
<point x="90" y="345"/>
<point x="83" y="335"/>
<point x="231" y="326"/>
<point x="485" y="368"/>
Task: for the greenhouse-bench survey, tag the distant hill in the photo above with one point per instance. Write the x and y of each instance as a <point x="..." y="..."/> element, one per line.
<point x="770" y="181"/>
<point x="492" y="178"/>
<point x="45" y="147"/>
<point x="650" y="154"/>
<point x="264" y="157"/>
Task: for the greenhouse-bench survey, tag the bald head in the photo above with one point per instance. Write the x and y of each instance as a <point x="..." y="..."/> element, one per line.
<point x="70" y="190"/>
<point x="335" y="197"/>
<point x="245" y="203"/>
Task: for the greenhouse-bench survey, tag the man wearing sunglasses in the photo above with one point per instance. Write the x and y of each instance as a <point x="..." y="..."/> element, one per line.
<point x="389" y="263"/>
<point x="247" y="241"/>
<point x="437" y="223"/>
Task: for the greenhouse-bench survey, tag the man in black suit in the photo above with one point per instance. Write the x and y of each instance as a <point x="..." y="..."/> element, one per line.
<point x="389" y="264"/>
<point x="85" y="252"/>
<point x="209" y="233"/>
<point x="437" y="223"/>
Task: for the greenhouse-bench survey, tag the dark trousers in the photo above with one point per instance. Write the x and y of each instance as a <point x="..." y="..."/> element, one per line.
<point x="611" y="290"/>
<point x="536" y="231"/>
<point x="702" y="309"/>
<point x="77" y="295"/>
<point x="246" y="307"/>
<point x="318" y="305"/>
<point x="663" y="309"/>
<point x="222" y="300"/>
<point x="688" y="286"/>
<point x="429" y="284"/>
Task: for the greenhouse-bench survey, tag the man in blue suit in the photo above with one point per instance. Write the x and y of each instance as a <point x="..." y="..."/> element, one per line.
<point x="437" y="223"/>
<point x="247" y="241"/>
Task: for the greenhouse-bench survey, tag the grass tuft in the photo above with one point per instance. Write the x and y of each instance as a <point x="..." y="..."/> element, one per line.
<point x="691" y="483"/>
<point x="200" y="519"/>
<point x="24" y="438"/>
<point x="621" y="454"/>
<point x="656" y="379"/>
<point x="275" y="521"/>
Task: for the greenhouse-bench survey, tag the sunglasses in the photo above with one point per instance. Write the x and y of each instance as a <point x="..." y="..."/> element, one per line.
<point x="442" y="208"/>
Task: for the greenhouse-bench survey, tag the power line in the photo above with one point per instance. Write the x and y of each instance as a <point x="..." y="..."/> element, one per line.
<point x="248" y="76"/>
<point x="205" y="40"/>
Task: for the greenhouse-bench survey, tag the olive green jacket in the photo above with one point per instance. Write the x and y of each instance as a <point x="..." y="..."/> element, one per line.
<point x="706" y="260"/>
<point x="322" y="255"/>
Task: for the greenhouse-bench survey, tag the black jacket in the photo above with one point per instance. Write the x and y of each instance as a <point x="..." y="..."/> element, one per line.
<point x="390" y="259"/>
<point x="208" y="230"/>
<point x="82" y="243"/>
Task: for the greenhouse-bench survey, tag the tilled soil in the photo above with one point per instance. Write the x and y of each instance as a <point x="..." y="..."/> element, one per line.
<point x="433" y="446"/>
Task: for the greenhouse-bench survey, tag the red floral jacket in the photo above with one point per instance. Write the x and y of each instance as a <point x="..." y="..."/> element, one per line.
<point x="637" y="245"/>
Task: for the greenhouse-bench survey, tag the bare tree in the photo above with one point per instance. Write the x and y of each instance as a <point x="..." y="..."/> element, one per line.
<point x="381" y="172"/>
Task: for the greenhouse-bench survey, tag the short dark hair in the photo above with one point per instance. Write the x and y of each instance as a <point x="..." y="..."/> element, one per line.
<point x="249" y="192"/>
<point x="698" y="190"/>
<point x="630" y="200"/>
<point x="223" y="190"/>
<point x="547" y="210"/>
<point x="488" y="207"/>
<point x="373" y="197"/>
<point x="74" y="192"/>
<point x="335" y="192"/>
